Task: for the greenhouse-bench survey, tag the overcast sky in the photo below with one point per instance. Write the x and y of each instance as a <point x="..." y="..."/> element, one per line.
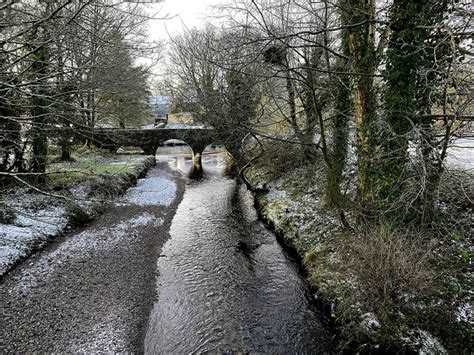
<point x="179" y="15"/>
<point x="189" y="13"/>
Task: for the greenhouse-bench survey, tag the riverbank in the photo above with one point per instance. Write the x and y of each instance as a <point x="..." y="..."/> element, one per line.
<point x="76" y="192"/>
<point x="345" y="268"/>
<point x="93" y="291"/>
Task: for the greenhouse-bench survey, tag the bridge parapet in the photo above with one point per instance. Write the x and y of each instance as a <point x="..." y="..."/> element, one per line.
<point x="150" y="139"/>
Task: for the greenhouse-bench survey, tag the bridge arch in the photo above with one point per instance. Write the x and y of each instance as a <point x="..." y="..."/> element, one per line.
<point x="215" y="156"/>
<point x="150" y="139"/>
<point x="184" y="152"/>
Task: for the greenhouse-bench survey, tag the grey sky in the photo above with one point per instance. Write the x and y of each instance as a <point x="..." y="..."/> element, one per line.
<point x="188" y="13"/>
<point x="178" y="15"/>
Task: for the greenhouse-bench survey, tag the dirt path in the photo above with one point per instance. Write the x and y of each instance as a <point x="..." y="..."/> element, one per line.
<point x="92" y="291"/>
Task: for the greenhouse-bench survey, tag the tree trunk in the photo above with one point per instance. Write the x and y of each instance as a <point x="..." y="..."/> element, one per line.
<point x="65" y="150"/>
<point x="340" y="124"/>
<point x="311" y="111"/>
<point x="304" y="139"/>
<point x="39" y="112"/>
<point x="65" y="113"/>
<point x="408" y="95"/>
<point x="399" y="99"/>
<point x="361" y="42"/>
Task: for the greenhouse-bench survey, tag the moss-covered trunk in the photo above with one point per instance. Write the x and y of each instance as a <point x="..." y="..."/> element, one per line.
<point x="409" y="94"/>
<point x="361" y="41"/>
<point x="39" y="112"/>
<point x="343" y="108"/>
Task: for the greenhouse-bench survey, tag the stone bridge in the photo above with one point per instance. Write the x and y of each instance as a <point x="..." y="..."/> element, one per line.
<point x="150" y="139"/>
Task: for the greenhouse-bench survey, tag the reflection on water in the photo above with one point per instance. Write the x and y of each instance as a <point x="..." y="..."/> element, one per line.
<point x="224" y="282"/>
<point x="178" y="157"/>
<point x="214" y="160"/>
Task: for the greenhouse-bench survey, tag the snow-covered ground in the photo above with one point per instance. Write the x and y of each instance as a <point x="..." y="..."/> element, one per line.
<point x="37" y="221"/>
<point x="82" y="243"/>
<point x="461" y="154"/>
<point x="155" y="190"/>
<point x="38" y="218"/>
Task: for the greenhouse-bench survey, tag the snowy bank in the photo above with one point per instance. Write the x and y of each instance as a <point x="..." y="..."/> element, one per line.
<point x="30" y="219"/>
<point x="292" y="202"/>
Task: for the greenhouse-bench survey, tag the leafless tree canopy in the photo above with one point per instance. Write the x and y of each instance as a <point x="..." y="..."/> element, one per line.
<point x="70" y="65"/>
<point x="387" y="81"/>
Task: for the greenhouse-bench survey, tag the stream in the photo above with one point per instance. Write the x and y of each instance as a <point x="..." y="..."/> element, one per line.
<point x="224" y="282"/>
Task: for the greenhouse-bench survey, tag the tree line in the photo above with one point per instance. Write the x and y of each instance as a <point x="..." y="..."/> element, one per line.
<point x="65" y="67"/>
<point x="384" y="85"/>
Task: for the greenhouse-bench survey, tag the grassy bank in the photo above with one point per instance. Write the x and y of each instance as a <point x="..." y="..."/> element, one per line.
<point x="75" y="192"/>
<point x="390" y="289"/>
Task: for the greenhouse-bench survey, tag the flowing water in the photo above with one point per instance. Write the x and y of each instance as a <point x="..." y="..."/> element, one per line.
<point x="225" y="284"/>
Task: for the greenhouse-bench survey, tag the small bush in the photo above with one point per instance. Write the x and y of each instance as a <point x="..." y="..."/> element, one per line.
<point x="382" y="281"/>
<point x="391" y="270"/>
<point x="77" y="216"/>
<point x="393" y="279"/>
<point x="280" y="158"/>
<point x="7" y="215"/>
<point x="54" y="150"/>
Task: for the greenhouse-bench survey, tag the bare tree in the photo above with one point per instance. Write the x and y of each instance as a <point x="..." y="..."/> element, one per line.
<point x="68" y="65"/>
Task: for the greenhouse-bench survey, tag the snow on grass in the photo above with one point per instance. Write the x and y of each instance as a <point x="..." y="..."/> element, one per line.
<point x="48" y="221"/>
<point x="14" y="244"/>
<point x="31" y="230"/>
<point x="370" y="322"/>
<point x="94" y="165"/>
<point x="38" y="218"/>
<point x="80" y="191"/>
<point x="295" y="206"/>
<point x="84" y="244"/>
<point x="465" y="314"/>
<point x="429" y="344"/>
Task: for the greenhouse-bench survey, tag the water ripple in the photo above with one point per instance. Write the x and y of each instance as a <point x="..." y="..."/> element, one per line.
<point x="226" y="284"/>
